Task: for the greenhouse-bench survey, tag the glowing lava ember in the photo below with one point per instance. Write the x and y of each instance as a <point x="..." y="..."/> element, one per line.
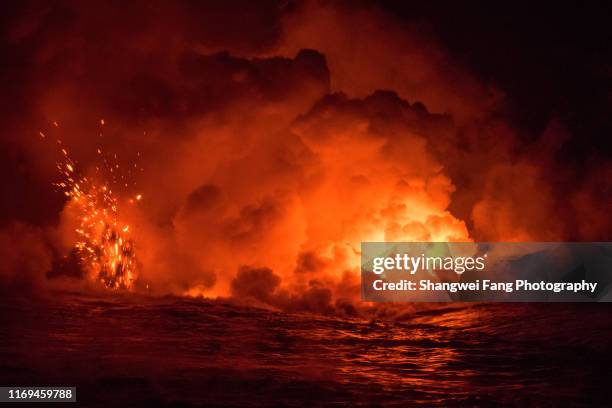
<point x="103" y="245"/>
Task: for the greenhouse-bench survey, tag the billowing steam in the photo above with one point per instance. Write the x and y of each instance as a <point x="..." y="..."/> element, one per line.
<point x="274" y="140"/>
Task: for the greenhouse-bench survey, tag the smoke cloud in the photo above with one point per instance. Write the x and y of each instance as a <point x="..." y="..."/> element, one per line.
<point x="270" y="141"/>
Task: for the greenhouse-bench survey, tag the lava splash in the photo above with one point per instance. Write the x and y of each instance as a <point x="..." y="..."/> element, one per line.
<point x="104" y="245"/>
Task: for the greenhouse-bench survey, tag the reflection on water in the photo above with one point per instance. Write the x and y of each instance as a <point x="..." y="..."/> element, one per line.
<point x="182" y="352"/>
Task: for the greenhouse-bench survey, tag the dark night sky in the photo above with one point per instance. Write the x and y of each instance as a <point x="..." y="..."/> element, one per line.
<point x="552" y="59"/>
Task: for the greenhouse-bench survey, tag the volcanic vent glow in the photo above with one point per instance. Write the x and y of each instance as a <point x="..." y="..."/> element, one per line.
<point x="104" y="245"/>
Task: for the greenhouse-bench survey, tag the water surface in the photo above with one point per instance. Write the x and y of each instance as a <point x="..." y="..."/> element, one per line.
<point x="175" y="352"/>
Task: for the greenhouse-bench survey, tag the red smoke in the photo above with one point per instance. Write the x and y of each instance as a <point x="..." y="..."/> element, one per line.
<point x="274" y="140"/>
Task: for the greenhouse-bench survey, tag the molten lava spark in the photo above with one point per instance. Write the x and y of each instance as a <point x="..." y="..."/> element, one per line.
<point x="103" y="245"/>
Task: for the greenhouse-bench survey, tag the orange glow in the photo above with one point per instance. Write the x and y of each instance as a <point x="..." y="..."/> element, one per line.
<point x="283" y="159"/>
<point x="105" y="249"/>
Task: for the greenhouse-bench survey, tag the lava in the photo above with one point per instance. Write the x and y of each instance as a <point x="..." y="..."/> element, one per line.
<point x="104" y="244"/>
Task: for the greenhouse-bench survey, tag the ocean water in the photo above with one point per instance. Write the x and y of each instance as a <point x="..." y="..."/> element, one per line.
<point x="124" y="351"/>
